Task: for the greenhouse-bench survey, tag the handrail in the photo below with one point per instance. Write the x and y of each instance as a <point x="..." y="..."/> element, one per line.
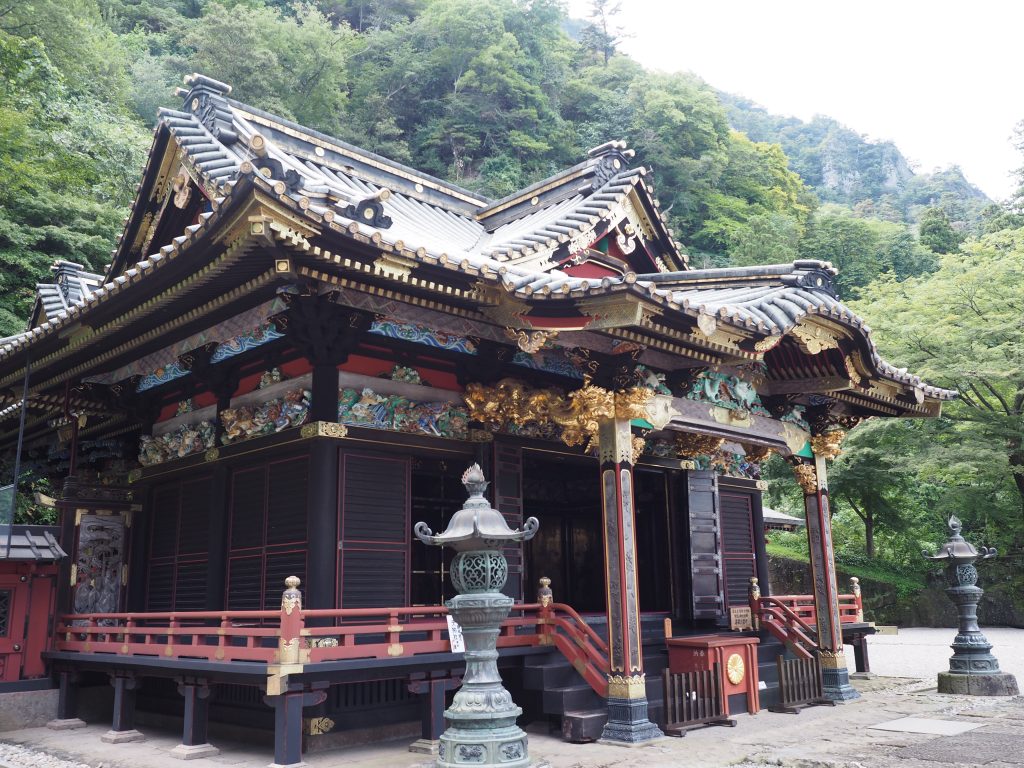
<point x="588" y="630"/>
<point x="790" y="618"/>
<point x="294" y="635"/>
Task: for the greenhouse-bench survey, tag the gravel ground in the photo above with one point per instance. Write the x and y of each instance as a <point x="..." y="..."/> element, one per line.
<point x="908" y="661"/>
<point x="17" y="756"/>
<point x="924" y="652"/>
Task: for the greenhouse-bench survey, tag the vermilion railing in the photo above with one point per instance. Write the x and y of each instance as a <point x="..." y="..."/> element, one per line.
<point x="310" y="636"/>
<point x="793" y="618"/>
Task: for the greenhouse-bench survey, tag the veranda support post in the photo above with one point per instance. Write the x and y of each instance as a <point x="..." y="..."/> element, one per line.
<point x="627" y="684"/>
<point x="813" y="478"/>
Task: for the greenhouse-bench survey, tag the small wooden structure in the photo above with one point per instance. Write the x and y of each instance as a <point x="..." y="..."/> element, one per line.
<point x="28" y="590"/>
<point x="732" y="657"/>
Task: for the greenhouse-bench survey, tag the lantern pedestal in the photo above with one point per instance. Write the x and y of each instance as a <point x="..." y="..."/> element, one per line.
<point x="973" y="669"/>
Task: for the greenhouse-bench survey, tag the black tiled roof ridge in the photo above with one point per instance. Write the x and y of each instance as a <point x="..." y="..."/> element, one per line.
<point x="358" y="152"/>
<point x="740" y="273"/>
<point x="563" y="176"/>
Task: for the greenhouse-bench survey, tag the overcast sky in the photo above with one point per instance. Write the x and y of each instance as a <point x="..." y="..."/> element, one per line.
<point x="944" y="80"/>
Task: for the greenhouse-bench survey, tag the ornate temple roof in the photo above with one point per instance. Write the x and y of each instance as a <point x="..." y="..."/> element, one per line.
<point x="71" y="285"/>
<point x="586" y="249"/>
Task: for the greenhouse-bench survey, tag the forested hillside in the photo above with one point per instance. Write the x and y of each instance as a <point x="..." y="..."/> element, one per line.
<point x="496" y="94"/>
<point x="873" y="178"/>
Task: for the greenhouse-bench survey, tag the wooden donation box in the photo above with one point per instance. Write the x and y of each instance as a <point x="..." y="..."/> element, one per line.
<point x="736" y="657"/>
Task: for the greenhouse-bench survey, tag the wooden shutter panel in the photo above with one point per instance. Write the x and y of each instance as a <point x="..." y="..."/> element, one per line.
<point x="737" y="546"/>
<point x="288" y="483"/>
<point x="248" y="497"/>
<point x="705" y="545"/>
<point x="194" y="529"/>
<point x="244" y="584"/>
<point x="375" y="531"/>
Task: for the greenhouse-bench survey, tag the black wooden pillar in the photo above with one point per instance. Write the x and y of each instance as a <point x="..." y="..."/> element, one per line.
<point x="67" y="702"/>
<point x="760" y="546"/>
<point x="288" y="708"/>
<point x="326" y="333"/>
<point x="194" y="742"/>
<point x="122" y="728"/>
<point x="434" y="690"/>
<point x="321" y="590"/>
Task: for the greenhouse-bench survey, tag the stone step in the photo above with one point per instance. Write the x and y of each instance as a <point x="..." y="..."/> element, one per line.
<point x="570" y="698"/>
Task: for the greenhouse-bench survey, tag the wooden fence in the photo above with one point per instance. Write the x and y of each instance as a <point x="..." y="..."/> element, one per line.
<point x="693" y="699"/>
<point x="800" y="685"/>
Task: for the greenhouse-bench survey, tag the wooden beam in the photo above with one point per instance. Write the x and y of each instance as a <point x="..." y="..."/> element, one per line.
<point x="806" y="386"/>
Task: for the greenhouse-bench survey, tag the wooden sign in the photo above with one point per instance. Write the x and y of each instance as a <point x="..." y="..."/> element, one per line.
<point x="740" y="618"/>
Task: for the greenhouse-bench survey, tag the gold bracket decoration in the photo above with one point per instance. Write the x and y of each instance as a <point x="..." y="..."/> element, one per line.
<point x="627" y="686"/>
<point x="530" y="342"/>
<point x="579" y="415"/>
<point x="697" y="444"/>
<point x="828" y="445"/>
<point x="510" y="402"/>
<point x="756" y="453"/>
<point x="853" y="365"/>
<point x="832" y="659"/>
<point x="212" y="454"/>
<point x="767" y="343"/>
<point x="807" y="478"/>
<point x="324" y="429"/>
<point x="134" y="475"/>
<point x="317" y="726"/>
<point x="814" y="339"/>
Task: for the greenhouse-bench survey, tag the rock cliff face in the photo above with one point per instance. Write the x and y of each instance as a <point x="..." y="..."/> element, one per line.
<point x="1000" y="607"/>
<point x="843" y="166"/>
<point x="845" y="175"/>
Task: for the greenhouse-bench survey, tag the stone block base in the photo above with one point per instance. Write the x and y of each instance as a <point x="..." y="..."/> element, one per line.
<point x="995" y="684"/>
<point x="836" y="685"/>
<point x="424" y="746"/>
<point x="290" y="765"/>
<point x="581" y="727"/>
<point x="628" y="724"/>
<point x="67" y="724"/>
<point x="121" y="737"/>
<point x="193" y="751"/>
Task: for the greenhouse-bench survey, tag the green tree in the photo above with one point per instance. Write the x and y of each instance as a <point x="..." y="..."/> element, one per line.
<point x="600" y="36"/>
<point x="68" y="163"/>
<point x="961" y="327"/>
<point x="936" y="232"/>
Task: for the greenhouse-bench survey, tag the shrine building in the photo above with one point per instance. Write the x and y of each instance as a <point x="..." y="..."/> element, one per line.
<point x="296" y="352"/>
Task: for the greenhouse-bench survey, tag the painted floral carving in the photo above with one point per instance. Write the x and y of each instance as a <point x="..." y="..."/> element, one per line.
<point x="727" y="391"/>
<point x="366" y="408"/>
<point x="184" y="441"/>
<point x="406" y="374"/>
<point x="266" y="418"/>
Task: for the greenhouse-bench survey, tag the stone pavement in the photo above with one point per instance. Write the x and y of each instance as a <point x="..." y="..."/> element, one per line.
<point x="818" y="737"/>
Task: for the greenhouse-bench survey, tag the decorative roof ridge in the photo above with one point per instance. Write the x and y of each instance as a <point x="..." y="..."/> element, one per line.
<point x="466" y="196"/>
<point x="602" y="164"/>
